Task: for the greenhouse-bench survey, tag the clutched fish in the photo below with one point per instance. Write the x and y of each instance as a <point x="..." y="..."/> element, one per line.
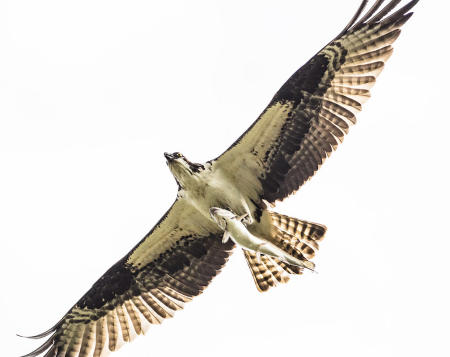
<point x="234" y="227"/>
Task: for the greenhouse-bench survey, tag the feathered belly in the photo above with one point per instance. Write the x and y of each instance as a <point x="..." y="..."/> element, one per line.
<point x="219" y="192"/>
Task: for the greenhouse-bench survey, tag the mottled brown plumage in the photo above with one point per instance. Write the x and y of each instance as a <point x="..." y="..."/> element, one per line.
<point x="302" y="125"/>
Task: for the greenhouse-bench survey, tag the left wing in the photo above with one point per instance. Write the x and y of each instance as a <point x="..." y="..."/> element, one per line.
<point x="310" y="114"/>
<point x="172" y="264"/>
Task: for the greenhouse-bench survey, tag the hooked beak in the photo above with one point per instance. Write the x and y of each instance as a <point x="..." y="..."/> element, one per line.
<point x="168" y="157"/>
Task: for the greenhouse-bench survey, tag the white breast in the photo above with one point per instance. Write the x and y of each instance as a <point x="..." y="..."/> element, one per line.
<point x="214" y="189"/>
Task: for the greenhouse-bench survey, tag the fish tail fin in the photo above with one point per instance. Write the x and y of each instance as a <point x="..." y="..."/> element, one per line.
<point x="298" y="238"/>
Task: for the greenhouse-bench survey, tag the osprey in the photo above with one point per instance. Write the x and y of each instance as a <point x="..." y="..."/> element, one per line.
<point x="303" y="123"/>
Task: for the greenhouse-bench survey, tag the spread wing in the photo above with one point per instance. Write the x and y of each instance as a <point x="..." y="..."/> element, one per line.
<point x="172" y="264"/>
<point x="310" y="114"/>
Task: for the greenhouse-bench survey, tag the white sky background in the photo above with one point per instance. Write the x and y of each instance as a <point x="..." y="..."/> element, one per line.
<point x="93" y="92"/>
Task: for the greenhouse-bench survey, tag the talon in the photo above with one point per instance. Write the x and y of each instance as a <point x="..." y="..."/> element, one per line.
<point x="225" y="237"/>
<point x="246" y="219"/>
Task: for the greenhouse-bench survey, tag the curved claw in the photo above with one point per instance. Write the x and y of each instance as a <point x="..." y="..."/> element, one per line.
<point x="225" y="237"/>
<point x="245" y="218"/>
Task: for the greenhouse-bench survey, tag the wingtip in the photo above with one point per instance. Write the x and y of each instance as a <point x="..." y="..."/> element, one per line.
<point x="36" y="337"/>
<point x="30" y="337"/>
<point x="355" y="17"/>
<point x="383" y="15"/>
<point x="43" y="334"/>
<point x="44" y="347"/>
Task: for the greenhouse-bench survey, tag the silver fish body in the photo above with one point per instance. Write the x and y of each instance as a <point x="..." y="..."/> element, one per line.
<point x="234" y="228"/>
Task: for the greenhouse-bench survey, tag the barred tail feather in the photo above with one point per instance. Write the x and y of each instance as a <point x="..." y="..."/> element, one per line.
<point x="298" y="238"/>
<point x="298" y="235"/>
<point x="266" y="271"/>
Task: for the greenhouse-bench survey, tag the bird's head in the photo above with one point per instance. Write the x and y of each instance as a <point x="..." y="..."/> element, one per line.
<point x="182" y="169"/>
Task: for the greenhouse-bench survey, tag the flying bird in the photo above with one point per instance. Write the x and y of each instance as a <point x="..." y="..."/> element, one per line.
<point x="304" y="122"/>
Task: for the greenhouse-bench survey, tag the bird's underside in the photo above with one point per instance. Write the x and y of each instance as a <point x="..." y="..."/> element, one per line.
<point x="303" y="123"/>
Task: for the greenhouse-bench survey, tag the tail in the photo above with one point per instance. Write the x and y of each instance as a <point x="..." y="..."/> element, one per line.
<point x="298" y="238"/>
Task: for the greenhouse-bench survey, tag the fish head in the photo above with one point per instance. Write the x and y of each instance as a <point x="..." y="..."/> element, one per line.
<point x="221" y="216"/>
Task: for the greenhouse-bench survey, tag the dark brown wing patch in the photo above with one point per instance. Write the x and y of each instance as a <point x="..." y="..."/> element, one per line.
<point x="327" y="92"/>
<point x="124" y="301"/>
<point x="311" y="113"/>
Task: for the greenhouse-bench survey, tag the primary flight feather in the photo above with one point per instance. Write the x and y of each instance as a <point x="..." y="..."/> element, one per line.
<point x="304" y="122"/>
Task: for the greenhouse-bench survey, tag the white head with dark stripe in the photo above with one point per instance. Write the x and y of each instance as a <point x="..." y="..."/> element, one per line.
<point x="182" y="169"/>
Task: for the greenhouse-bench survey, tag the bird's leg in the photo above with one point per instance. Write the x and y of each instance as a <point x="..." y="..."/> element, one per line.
<point x="246" y="218"/>
<point x="225" y="237"/>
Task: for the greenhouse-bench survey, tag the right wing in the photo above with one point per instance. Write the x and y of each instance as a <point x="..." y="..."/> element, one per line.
<point x="172" y="264"/>
<point x="310" y="114"/>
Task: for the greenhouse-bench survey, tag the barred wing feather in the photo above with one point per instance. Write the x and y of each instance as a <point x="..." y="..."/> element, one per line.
<point x="305" y="121"/>
<point x="166" y="269"/>
<point x="310" y="114"/>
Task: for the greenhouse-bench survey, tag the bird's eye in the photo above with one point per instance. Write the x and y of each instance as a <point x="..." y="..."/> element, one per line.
<point x="177" y="155"/>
